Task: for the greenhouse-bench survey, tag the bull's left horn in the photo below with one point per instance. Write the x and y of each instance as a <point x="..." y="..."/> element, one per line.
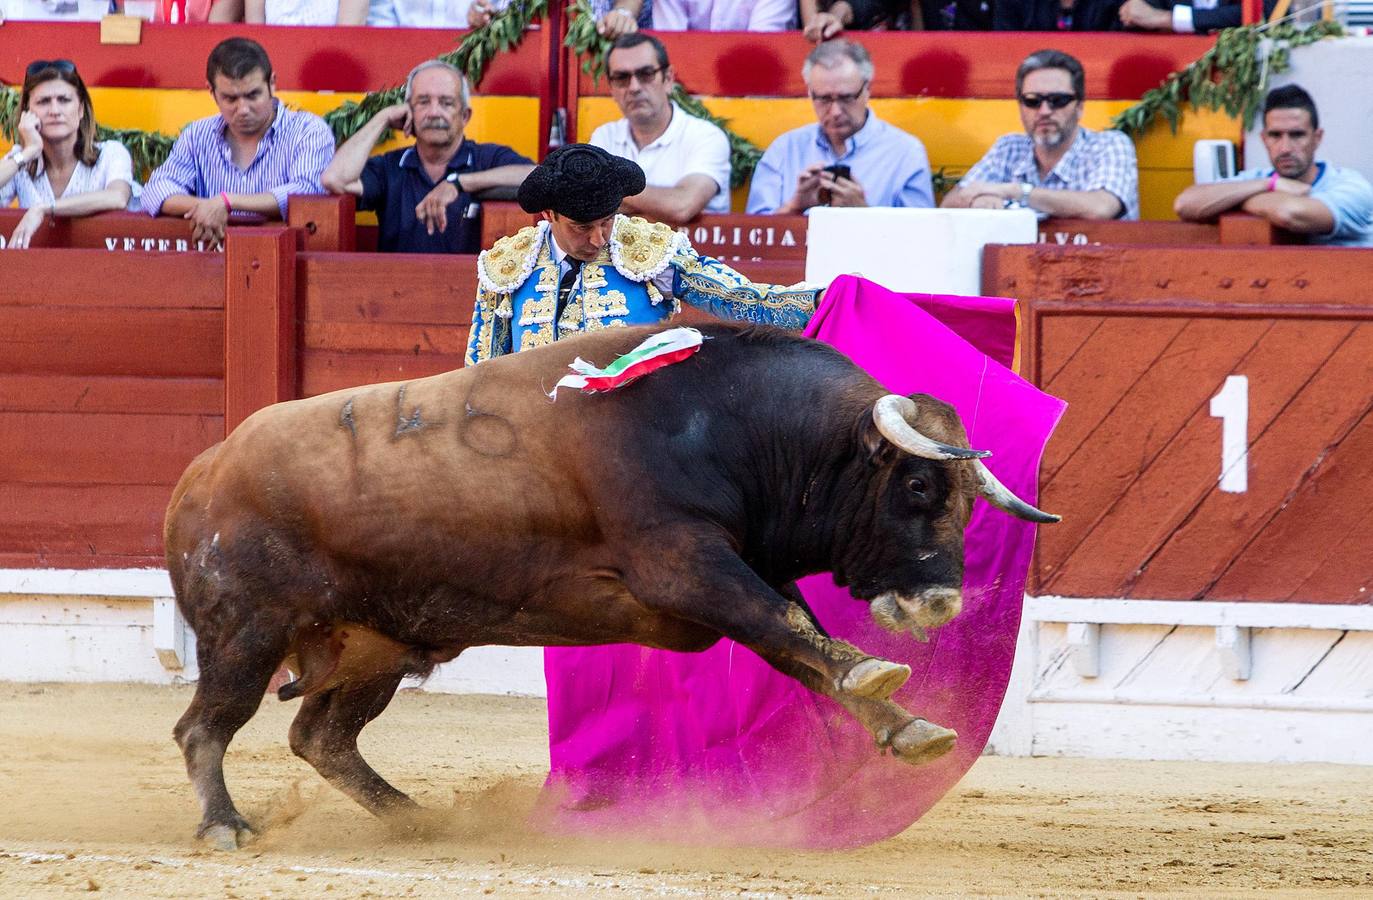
<point x="894" y="414"/>
<point x="999" y="496"/>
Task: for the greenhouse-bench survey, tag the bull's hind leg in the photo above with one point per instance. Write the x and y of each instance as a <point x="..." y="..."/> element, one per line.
<point x="325" y="734"/>
<point x="233" y="677"/>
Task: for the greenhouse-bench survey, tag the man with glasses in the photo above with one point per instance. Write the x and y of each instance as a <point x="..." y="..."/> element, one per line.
<point x="685" y="159"/>
<point x="425" y="195"/>
<point x="584" y="268"/>
<point x="1057" y="167"/>
<point x="849" y="157"/>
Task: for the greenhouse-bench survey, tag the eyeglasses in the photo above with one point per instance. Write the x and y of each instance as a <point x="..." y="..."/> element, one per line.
<point x="38" y="65"/>
<point x="644" y="76"/>
<point x="1055" y="100"/>
<point x="841" y="99"/>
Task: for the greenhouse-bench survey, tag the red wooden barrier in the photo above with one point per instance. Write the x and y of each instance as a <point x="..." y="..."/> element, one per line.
<point x="259" y="321"/>
<point x="116" y="232"/>
<point x="1145" y="344"/>
<point x="110" y="382"/>
<point x="381" y="317"/>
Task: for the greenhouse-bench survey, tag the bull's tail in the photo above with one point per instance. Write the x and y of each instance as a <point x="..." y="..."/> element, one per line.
<point x="185" y="519"/>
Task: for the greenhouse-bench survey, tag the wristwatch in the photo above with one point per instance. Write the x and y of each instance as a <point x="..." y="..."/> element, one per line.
<point x="1025" y="188"/>
<point x="452" y="178"/>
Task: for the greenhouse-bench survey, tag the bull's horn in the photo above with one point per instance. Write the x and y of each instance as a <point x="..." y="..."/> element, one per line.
<point x="999" y="496"/>
<point x="893" y="415"/>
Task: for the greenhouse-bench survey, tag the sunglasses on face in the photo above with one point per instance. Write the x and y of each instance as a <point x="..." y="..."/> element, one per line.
<point x="841" y="99"/>
<point x="1055" y="100"/>
<point x="644" y="75"/>
<point x="38" y="65"/>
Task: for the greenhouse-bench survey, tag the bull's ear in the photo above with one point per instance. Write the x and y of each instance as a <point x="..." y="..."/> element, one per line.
<point x="877" y="449"/>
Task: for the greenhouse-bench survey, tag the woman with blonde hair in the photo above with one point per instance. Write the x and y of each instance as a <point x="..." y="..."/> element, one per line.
<point x="58" y="168"/>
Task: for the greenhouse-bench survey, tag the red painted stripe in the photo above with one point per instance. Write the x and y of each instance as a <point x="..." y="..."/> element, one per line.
<point x="738" y="64"/>
<point x="305" y="59"/>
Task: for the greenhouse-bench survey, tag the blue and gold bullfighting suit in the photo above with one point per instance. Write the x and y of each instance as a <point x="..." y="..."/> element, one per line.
<point x="640" y="277"/>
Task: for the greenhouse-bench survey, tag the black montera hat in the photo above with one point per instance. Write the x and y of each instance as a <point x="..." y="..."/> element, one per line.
<point x="582" y="182"/>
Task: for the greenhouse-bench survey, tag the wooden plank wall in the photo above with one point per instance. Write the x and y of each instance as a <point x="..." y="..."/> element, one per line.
<point x="1139" y="341"/>
<point x="367" y="318"/>
<point x="111" y="380"/>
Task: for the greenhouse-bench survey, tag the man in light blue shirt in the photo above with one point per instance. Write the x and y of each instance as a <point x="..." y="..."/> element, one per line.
<point x="1329" y="205"/>
<point x="878" y="164"/>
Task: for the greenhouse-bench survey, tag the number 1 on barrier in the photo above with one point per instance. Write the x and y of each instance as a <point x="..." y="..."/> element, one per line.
<point x="1231" y="406"/>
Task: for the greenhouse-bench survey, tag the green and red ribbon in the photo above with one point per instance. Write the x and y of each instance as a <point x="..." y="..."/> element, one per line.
<point x="662" y="349"/>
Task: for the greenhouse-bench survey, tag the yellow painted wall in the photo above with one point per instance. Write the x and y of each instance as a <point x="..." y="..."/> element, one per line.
<point x="957" y="132"/>
<point x="513" y="121"/>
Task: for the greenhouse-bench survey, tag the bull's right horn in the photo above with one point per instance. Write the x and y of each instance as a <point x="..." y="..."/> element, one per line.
<point x="1000" y="496"/>
<point x="894" y="414"/>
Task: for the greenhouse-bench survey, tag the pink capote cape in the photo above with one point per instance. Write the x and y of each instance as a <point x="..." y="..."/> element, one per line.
<point x="717" y="747"/>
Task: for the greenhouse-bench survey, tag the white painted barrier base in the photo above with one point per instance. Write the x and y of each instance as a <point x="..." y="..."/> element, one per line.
<point x="1238" y="682"/>
<point x="122" y="625"/>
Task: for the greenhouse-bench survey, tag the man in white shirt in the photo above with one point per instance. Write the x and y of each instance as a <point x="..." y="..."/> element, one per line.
<point x="685" y="159"/>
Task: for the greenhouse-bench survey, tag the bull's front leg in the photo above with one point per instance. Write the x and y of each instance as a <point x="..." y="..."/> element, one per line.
<point x="909" y="738"/>
<point x="716" y="589"/>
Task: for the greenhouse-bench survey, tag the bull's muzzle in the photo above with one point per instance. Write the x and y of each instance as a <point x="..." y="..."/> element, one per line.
<point x="917" y="612"/>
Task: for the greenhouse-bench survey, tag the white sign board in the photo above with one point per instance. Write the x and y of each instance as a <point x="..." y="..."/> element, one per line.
<point x="928" y="251"/>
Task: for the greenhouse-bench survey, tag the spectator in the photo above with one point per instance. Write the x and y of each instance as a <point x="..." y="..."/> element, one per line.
<point x="1199" y="17"/>
<point x="886" y="166"/>
<point x="1329" y="204"/>
<point x="249" y="158"/>
<point x="1057" y="167"/>
<point x="1055" y="15"/>
<point x="958" y="15"/>
<point x="58" y="169"/>
<point x="685" y="159"/>
<point x="418" y="13"/>
<point x="614" y="18"/>
<point x="823" y="20"/>
<point x="724" y="15"/>
<point x="305" y="12"/>
<point x="423" y="194"/>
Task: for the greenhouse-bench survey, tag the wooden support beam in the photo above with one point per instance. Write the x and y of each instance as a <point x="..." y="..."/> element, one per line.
<point x="1084" y="647"/>
<point x="1233" y="644"/>
<point x="259" y="320"/>
<point x="326" y="223"/>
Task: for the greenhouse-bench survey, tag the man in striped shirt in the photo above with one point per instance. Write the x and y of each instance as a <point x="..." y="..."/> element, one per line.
<point x="249" y="158"/>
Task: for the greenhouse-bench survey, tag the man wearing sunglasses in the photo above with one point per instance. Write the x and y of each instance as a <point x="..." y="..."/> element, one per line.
<point x="1057" y="167"/>
<point x="685" y="159"/>
<point x="849" y="157"/>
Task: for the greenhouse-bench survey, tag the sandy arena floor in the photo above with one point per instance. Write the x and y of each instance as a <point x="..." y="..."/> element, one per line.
<point x="93" y="797"/>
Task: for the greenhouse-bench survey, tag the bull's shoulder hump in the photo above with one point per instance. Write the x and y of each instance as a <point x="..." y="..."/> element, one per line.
<point x="509" y="261"/>
<point x="641" y="249"/>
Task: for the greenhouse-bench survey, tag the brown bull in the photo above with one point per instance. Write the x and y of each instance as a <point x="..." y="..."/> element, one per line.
<point x="369" y="534"/>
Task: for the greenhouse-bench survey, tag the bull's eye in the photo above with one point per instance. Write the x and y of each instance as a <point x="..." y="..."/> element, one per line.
<point x="918" y="486"/>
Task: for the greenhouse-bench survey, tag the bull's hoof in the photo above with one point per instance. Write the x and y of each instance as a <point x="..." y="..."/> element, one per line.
<point x="922" y="741"/>
<point x="875" y="679"/>
<point x="225" y="837"/>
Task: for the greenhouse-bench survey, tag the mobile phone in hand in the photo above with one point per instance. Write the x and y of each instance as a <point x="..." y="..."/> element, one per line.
<point x="838" y="170"/>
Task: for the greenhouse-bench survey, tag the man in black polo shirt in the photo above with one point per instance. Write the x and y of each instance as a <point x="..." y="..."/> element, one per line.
<point x="424" y="195"/>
